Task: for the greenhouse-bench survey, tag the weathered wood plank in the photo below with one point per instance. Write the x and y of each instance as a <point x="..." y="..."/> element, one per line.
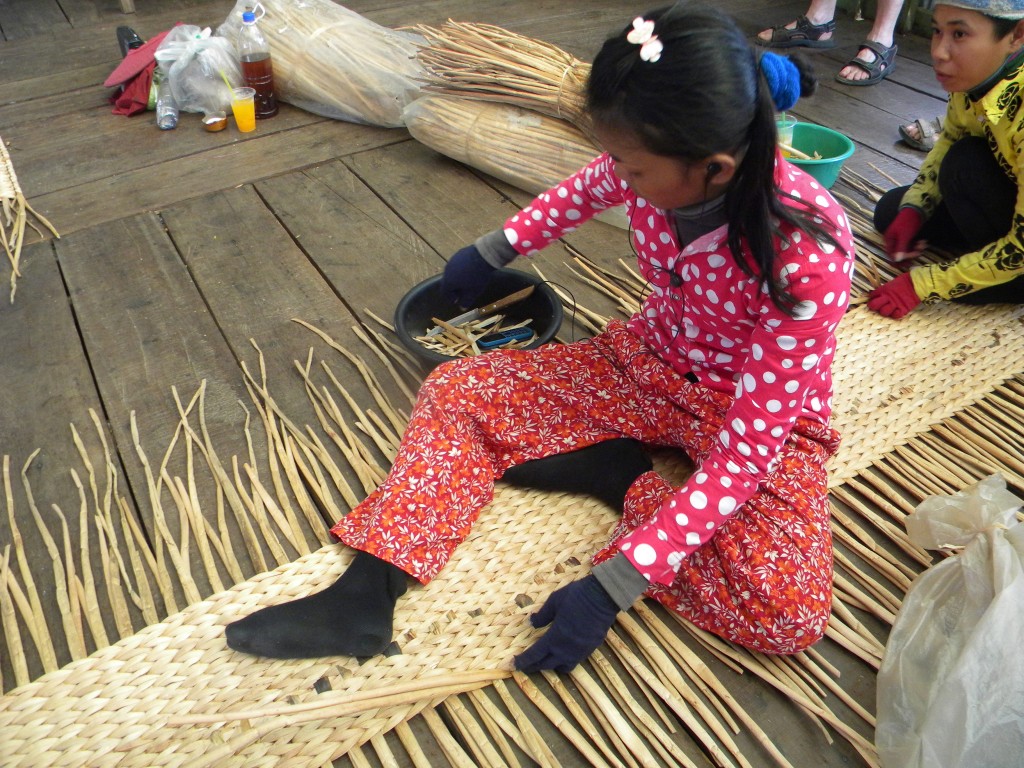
<point x="95" y="145"/>
<point x="45" y="387"/>
<point x="146" y="330"/>
<point x="242" y="258"/>
<point x="158" y="185"/>
<point x="86" y="12"/>
<point x="871" y="128"/>
<point x="25" y="18"/>
<point x="364" y="248"/>
<point x="52" y="57"/>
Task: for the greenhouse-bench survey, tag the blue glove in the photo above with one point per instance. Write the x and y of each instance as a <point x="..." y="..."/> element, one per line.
<point x="580" y="615"/>
<point x="465" y="276"/>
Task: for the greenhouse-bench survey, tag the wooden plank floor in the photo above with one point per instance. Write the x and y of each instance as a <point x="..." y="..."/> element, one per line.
<point x="180" y="249"/>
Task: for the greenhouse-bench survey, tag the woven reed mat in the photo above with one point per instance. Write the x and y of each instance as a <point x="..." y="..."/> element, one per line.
<point x="524" y="545"/>
<point x="140" y="702"/>
<point x="894" y="380"/>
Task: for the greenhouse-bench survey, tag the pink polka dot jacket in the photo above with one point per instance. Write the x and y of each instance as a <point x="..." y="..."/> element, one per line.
<point x="707" y="316"/>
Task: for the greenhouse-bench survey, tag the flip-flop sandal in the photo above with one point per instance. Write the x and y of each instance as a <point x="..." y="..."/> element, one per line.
<point x="884" y="63"/>
<point x="805" y="35"/>
<point x="927" y="132"/>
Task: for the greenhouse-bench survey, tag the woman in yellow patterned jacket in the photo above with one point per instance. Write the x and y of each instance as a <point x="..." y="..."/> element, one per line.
<point x="967" y="197"/>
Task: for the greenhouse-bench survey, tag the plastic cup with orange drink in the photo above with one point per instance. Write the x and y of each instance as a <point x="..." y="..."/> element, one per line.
<point x="243" y="106"/>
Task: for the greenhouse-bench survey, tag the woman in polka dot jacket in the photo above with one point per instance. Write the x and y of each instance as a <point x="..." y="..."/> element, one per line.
<point x="749" y="262"/>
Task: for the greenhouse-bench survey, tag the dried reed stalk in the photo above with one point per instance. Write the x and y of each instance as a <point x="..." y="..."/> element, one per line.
<point x="527" y="149"/>
<point x="481" y="61"/>
<point x="14" y="216"/>
<point x="485" y="753"/>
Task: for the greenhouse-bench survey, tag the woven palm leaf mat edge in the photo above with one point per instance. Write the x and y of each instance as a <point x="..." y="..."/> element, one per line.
<point x="172" y="694"/>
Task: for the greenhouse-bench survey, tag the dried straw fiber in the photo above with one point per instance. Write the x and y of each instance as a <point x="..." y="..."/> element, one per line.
<point x="130" y="704"/>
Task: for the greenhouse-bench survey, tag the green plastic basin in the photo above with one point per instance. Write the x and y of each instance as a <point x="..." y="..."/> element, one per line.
<point x="832" y="147"/>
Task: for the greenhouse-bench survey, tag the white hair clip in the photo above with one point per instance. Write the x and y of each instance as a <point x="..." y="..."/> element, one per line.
<point x="642" y="34"/>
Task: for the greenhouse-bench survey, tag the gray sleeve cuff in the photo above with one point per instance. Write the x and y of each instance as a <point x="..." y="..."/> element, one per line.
<point x="496" y="249"/>
<point x="621" y="580"/>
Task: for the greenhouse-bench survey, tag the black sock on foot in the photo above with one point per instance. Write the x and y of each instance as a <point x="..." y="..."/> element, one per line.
<point x="605" y="470"/>
<point x="352" y="617"/>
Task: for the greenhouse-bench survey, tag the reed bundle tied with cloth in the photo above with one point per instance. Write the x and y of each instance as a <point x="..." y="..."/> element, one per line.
<point x="489" y="63"/>
<point x="333" y="62"/>
<point x="14" y="217"/>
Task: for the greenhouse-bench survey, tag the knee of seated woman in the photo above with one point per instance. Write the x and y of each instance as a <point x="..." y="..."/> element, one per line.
<point x="797" y="633"/>
<point x="449" y="380"/>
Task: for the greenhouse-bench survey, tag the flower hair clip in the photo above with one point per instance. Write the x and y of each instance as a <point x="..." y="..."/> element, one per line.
<point x="642" y="34"/>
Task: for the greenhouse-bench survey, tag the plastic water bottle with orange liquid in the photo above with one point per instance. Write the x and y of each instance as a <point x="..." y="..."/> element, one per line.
<point x="257" y="65"/>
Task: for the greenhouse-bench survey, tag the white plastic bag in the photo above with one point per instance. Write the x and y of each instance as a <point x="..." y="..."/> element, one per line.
<point x="197" y="64"/>
<point x="951" y="686"/>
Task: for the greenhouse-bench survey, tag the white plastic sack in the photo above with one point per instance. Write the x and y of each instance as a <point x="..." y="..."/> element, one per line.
<point x="197" y="64"/>
<point x="951" y="686"/>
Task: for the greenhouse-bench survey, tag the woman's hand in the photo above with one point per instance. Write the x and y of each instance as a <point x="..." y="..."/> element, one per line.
<point x="899" y="236"/>
<point x="465" y="276"/>
<point x="894" y="299"/>
<point x="580" y="615"/>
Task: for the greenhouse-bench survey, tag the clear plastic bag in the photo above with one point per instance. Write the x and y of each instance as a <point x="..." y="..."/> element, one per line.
<point x="333" y="62"/>
<point x="951" y="685"/>
<point x="197" y="64"/>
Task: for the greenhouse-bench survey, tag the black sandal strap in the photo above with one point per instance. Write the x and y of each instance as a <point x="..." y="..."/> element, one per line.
<point x="804" y="30"/>
<point x="883" y="53"/>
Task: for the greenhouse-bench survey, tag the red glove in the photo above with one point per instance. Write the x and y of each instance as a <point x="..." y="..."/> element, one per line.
<point x="894" y="299"/>
<point x="900" y="234"/>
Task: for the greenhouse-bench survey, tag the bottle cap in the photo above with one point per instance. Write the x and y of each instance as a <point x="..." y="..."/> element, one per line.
<point x="248" y="17"/>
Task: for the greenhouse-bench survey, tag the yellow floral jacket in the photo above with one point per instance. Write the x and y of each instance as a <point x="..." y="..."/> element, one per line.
<point x="999" y="119"/>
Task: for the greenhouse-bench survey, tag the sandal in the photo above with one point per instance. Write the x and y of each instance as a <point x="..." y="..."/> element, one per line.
<point x="885" y="61"/>
<point x="927" y="132"/>
<point x="805" y="35"/>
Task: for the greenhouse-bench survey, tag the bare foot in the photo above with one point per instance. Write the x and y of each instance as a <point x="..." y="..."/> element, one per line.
<point x="912" y="131"/>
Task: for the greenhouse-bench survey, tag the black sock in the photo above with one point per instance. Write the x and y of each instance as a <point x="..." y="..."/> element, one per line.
<point x="352" y="617"/>
<point x="605" y="470"/>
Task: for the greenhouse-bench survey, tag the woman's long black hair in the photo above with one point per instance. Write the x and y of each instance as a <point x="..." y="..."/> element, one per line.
<point x="706" y="94"/>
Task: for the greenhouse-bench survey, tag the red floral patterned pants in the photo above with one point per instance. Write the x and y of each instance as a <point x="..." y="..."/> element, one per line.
<point x="764" y="580"/>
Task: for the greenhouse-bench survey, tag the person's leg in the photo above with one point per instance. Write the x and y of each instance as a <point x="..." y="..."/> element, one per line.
<point x="883" y="32"/>
<point x="352" y="617"/>
<point x="472" y="421"/>
<point x="978" y="194"/>
<point x="887" y="207"/>
<point x="940" y="229"/>
<point x="819" y="12"/>
<point x="764" y="580"/>
<point x="475" y="420"/>
<point x="605" y="470"/>
<point x="981" y="199"/>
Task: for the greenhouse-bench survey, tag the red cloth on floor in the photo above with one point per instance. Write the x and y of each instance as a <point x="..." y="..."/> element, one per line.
<point x="135" y="73"/>
<point x="134" y="98"/>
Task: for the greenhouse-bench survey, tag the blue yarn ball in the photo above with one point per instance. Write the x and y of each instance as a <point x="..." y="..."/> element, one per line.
<point x="783" y="79"/>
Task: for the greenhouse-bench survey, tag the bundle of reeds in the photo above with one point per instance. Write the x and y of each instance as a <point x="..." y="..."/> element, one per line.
<point x="481" y="61"/>
<point x="334" y="62"/>
<point x="527" y="149"/>
<point x="14" y="217"/>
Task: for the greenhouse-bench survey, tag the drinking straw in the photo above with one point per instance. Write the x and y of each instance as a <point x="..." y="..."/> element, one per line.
<point x="227" y="82"/>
